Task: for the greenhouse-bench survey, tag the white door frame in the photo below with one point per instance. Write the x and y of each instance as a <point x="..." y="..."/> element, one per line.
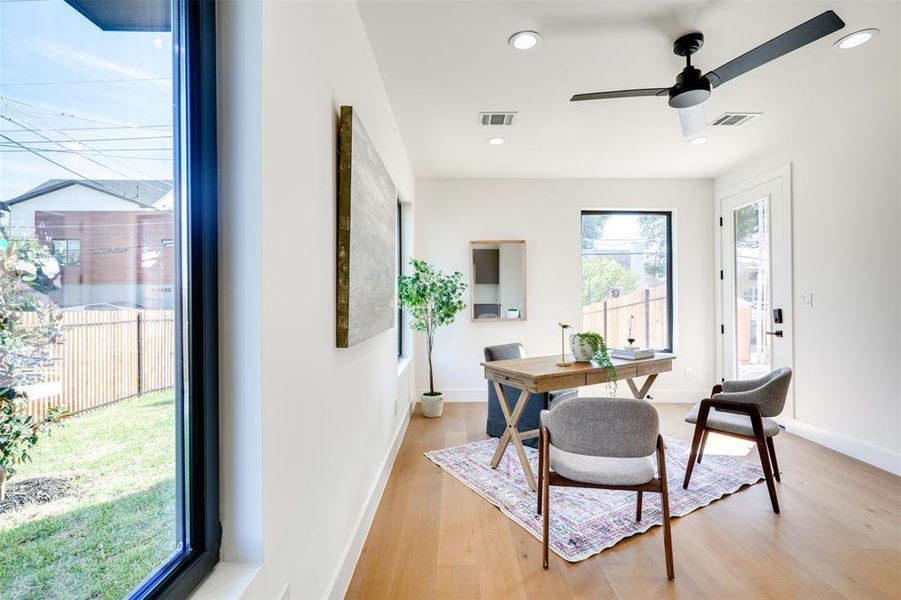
<point x="781" y="236"/>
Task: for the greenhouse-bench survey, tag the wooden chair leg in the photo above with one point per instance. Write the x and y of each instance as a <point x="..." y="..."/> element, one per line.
<point x="757" y="424"/>
<point x="772" y="449"/>
<point x="545" y="490"/>
<point x="703" y="445"/>
<point x="664" y="502"/>
<point x="695" y="445"/>
<point x="540" y="468"/>
<point x="638" y="507"/>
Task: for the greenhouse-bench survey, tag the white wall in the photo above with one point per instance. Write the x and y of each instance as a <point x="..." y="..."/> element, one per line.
<point x="307" y="429"/>
<point x="546" y="213"/>
<point x="846" y="197"/>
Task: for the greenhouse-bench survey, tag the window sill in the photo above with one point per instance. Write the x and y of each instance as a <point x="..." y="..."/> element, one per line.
<point x="402" y="363"/>
<point x="226" y="580"/>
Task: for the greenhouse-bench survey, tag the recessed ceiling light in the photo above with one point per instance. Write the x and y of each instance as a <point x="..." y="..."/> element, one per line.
<point x="852" y="40"/>
<point x="698" y="140"/>
<point x="524" y="40"/>
<point x="496" y="141"/>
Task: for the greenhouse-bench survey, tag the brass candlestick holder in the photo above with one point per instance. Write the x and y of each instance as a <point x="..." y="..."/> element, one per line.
<point x="563" y="362"/>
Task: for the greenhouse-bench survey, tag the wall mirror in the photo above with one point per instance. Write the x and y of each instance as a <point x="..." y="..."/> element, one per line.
<point x="498" y="285"/>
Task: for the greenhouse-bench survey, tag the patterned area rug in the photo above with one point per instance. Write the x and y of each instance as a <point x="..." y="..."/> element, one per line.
<point x="584" y="522"/>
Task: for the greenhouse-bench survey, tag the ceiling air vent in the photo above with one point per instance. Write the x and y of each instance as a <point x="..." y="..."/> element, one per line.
<point x="735" y="119"/>
<point x="496" y="118"/>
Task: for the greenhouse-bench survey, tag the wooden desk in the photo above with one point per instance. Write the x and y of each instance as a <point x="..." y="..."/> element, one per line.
<point x="541" y="374"/>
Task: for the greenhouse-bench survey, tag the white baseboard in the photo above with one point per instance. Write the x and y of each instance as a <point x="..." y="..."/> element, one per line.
<point x="853" y="447"/>
<point x="661" y="395"/>
<point x="341" y="579"/>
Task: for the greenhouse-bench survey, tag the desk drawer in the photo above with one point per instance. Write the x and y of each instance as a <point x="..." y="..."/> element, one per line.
<point x="651" y="368"/>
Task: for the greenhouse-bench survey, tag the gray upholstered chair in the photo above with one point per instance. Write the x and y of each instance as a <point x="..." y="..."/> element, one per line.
<point x="743" y="409"/>
<point x="605" y="443"/>
<point x="496" y="424"/>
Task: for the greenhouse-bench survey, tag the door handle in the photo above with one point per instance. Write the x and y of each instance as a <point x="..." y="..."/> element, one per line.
<point x="777" y="333"/>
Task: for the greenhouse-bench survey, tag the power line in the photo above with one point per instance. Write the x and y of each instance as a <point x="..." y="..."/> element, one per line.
<point x="60" y="114"/>
<point x="90" y="151"/>
<point x="113" y="139"/>
<point x="11" y="150"/>
<point x="88" y="158"/>
<point x="61" y="166"/>
<point x="85" y="81"/>
<point x="163" y="126"/>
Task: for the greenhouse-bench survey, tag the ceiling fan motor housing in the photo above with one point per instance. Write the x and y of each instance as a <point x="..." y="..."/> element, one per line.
<point x="691" y="89"/>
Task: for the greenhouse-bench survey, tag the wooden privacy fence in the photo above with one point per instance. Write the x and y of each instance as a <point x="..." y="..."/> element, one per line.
<point x="107" y="356"/>
<point x="610" y="318"/>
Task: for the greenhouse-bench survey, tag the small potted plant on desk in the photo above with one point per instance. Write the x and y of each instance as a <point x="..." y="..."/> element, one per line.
<point x="589" y="346"/>
<point x="433" y="300"/>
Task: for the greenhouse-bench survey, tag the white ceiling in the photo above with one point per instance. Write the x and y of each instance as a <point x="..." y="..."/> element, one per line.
<point x="444" y="61"/>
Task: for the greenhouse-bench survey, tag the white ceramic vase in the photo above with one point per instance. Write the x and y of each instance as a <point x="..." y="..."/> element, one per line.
<point x="432" y="406"/>
<point x="581" y="349"/>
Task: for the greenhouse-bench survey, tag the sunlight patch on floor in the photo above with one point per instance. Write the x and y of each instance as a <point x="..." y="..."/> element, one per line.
<point x="726" y="445"/>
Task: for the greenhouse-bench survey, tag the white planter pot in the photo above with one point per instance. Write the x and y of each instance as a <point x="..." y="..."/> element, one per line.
<point x="432" y="406"/>
<point x="512" y="313"/>
<point x="581" y="349"/>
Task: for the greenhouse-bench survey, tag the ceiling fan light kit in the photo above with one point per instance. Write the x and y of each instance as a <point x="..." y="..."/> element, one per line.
<point x="692" y="88"/>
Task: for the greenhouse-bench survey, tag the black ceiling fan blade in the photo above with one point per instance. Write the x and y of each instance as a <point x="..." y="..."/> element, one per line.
<point x="620" y="94"/>
<point x="805" y="33"/>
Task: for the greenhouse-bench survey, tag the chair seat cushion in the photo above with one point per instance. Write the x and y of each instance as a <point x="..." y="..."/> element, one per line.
<point x="732" y="422"/>
<point x="603" y="470"/>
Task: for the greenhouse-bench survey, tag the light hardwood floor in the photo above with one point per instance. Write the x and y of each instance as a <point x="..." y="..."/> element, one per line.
<point x="839" y="533"/>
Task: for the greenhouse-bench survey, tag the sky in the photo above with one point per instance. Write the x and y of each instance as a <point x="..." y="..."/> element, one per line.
<point x="97" y="103"/>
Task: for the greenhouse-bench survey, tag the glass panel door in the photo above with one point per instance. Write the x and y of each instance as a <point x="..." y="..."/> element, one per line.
<point x="752" y="289"/>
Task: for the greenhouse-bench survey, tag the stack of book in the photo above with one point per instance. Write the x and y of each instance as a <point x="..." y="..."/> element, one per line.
<point x="632" y="353"/>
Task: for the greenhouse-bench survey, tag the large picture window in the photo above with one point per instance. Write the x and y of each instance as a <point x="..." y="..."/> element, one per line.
<point x="627" y="277"/>
<point x="108" y="348"/>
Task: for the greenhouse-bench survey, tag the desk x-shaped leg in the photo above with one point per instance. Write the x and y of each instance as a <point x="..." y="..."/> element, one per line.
<point x="643" y="392"/>
<point x="512" y="434"/>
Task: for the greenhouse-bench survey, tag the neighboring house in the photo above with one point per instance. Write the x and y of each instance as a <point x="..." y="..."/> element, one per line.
<point x="114" y="238"/>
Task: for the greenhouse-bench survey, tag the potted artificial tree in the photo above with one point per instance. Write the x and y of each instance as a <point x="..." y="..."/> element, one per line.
<point x="433" y="300"/>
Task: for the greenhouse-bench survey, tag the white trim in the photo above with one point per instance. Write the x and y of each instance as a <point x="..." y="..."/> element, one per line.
<point x="872" y="455"/>
<point x="341" y="579"/>
<point x="659" y="395"/>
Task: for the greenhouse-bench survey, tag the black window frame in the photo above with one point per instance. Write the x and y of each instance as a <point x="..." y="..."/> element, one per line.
<point x="197" y="357"/>
<point x="669" y="263"/>
<point x="400" y="270"/>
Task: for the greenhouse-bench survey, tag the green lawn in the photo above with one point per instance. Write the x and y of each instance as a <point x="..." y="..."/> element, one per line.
<point x="119" y="522"/>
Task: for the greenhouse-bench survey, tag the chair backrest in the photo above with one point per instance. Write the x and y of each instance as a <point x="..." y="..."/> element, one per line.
<point x="768" y="392"/>
<point x="505" y="352"/>
<point x="612" y="427"/>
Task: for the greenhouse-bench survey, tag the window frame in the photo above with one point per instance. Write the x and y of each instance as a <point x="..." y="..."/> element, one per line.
<point x="197" y="358"/>
<point x="400" y="270"/>
<point x="671" y="299"/>
<point x="67" y="252"/>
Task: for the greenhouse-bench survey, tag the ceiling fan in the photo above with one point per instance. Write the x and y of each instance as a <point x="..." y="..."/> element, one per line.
<point x="692" y="88"/>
